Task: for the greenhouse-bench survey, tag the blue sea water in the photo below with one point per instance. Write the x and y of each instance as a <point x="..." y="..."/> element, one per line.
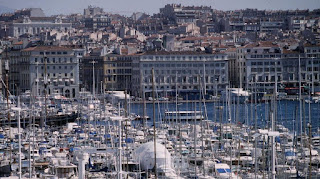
<point x="288" y="113"/>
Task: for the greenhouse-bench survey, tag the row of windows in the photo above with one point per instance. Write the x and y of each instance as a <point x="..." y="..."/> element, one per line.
<point x="313" y="51"/>
<point x="288" y="76"/>
<point x="53" y="53"/>
<point x="315" y="62"/>
<point x="190" y="80"/>
<point x="55" y="67"/>
<point x="173" y="72"/>
<point x="54" y="60"/>
<point x="184" y="65"/>
<point x="181" y="87"/>
<point x="119" y="71"/>
<point x="264" y="78"/>
<point x="264" y="63"/>
<point x="57" y="74"/>
<point x="265" y="69"/>
<point x="184" y="57"/>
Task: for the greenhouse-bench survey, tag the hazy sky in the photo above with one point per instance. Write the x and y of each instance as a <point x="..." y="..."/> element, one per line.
<point x="127" y="7"/>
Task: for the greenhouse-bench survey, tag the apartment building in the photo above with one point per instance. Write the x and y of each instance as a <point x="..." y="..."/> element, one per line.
<point x="258" y="49"/>
<point x="187" y="72"/>
<point x="261" y="66"/>
<point x="36" y="25"/>
<point x="56" y="66"/>
<point x="118" y="71"/>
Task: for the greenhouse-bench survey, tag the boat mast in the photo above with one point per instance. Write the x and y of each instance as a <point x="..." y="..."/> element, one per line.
<point x="273" y="118"/>
<point x="201" y="125"/>
<point x="195" y="137"/>
<point x="312" y="77"/>
<point x="93" y="79"/>
<point x="300" y="102"/>
<point x="273" y="153"/>
<point x="154" y="125"/>
<point x="6" y="67"/>
<point x="43" y="121"/>
<point x="126" y="127"/>
<point x="19" y="137"/>
<point x="144" y="119"/>
<point x="119" y="149"/>
<point x="310" y="152"/>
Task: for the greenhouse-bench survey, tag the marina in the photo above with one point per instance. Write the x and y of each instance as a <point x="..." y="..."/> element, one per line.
<point x="191" y="139"/>
<point x="189" y="92"/>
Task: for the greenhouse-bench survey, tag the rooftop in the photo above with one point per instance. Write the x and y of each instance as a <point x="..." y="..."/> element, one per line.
<point x="48" y="48"/>
<point x="262" y="44"/>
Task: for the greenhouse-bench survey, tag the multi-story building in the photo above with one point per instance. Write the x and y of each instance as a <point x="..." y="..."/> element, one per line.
<point x="36" y="25"/>
<point x="97" y="22"/>
<point x="262" y="66"/>
<point x="30" y="12"/>
<point x="259" y="49"/>
<point x="269" y="25"/>
<point x="92" y="11"/>
<point x="181" y="71"/>
<point x="118" y="71"/>
<point x="232" y="53"/>
<point x="286" y="69"/>
<point x="57" y="66"/>
<point x="92" y="72"/>
<point x="312" y="53"/>
<point x="112" y="72"/>
<point x="19" y="69"/>
<point x="179" y="14"/>
<point x="262" y="70"/>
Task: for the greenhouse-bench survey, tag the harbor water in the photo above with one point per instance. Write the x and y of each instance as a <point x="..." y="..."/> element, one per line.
<point x="288" y="113"/>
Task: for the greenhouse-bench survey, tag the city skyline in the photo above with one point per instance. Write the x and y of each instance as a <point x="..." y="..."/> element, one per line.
<point x="150" y="7"/>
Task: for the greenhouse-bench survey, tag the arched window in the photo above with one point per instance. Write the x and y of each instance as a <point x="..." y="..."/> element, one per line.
<point x="67" y="93"/>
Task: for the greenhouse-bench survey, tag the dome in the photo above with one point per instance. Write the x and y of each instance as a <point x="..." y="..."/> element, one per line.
<point x="145" y="156"/>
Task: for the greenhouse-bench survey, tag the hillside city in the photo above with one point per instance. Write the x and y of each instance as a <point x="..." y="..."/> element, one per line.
<point x="190" y="92"/>
<point x="248" y="48"/>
